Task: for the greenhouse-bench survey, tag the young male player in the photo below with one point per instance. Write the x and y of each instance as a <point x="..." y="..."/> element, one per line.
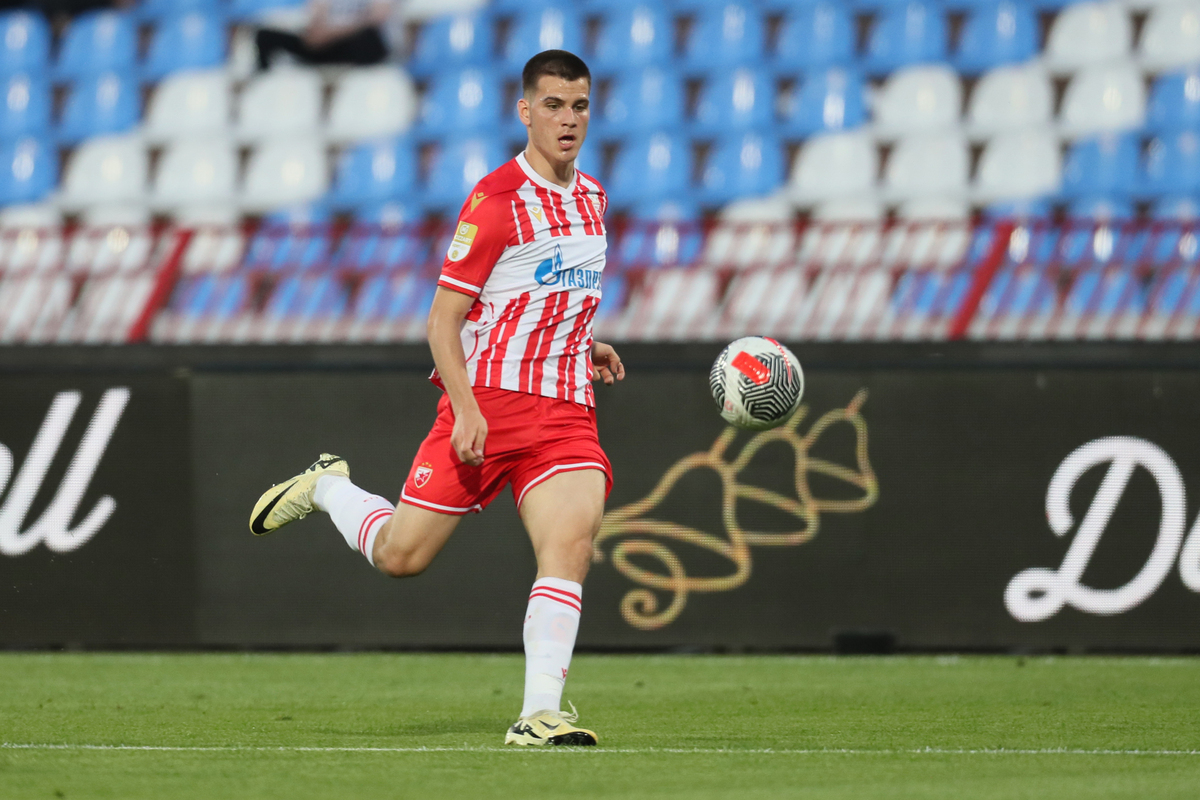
<point x="511" y="335"/>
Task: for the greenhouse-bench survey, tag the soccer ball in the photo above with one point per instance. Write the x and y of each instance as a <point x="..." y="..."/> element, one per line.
<point x="757" y="383"/>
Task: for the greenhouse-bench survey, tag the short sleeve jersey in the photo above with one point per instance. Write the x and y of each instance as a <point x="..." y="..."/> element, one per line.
<point x="531" y="253"/>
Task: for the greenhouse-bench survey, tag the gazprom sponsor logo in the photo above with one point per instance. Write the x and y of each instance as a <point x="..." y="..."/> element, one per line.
<point x="551" y="273"/>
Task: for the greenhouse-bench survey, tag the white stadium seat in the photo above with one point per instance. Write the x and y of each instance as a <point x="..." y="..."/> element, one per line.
<point x="934" y="209"/>
<point x="862" y="209"/>
<point x="107" y="169"/>
<point x="1018" y="166"/>
<point x="198" y="172"/>
<point x="928" y="165"/>
<point x="752" y="232"/>
<point x="921" y="98"/>
<point x="190" y="105"/>
<point x="372" y="102"/>
<point x="285" y="172"/>
<point x="1088" y="33"/>
<point x="1108" y="97"/>
<point x="1009" y="98"/>
<point x="31" y="237"/>
<point x="836" y="165"/>
<point x="1171" y="36"/>
<point x="283" y="102"/>
<point x="126" y="215"/>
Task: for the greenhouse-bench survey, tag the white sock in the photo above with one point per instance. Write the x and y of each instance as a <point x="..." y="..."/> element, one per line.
<point x="357" y="514"/>
<point x="551" y="622"/>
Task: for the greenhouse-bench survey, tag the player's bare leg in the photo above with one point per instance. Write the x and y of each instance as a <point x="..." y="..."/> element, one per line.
<point x="410" y="539"/>
<point x="562" y="516"/>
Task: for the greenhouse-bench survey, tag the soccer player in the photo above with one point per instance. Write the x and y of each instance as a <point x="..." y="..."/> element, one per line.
<point x="511" y="333"/>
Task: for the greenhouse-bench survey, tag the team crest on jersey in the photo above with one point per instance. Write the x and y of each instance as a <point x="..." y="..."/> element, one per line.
<point x="423" y="474"/>
<point x="460" y="245"/>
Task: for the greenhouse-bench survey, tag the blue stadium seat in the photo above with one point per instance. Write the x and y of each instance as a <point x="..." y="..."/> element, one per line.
<point x="187" y="41"/>
<point x="736" y="100"/>
<point x="814" y="35"/>
<point x="394" y="297"/>
<point x="1101" y="209"/>
<point x="656" y="167"/>
<point x="100" y="104"/>
<point x="99" y="41"/>
<point x="640" y="100"/>
<point x="384" y="236"/>
<point x="24" y="43"/>
<point x="634" y="36"/>
<point x="1172" y="165"/>
<point x="832" y="99"/>
<point x="725" y="35"/>
<point x="1102" y="166"/>
<point x="28" y="170"/>
<point x="751" y="165"/>
<point x="462" y="102"/>
<point x="536" y="29"/>
<point x="1176" y="208"/>
<point x="305" y="298"/>
<point x="163" y="9"/>
<point x="1023" y="210"/>
<point x="374" y="173"/>
<point x="664" y="233"/>
<point x="458" y="40"/>
<point x="1175" y="103"/>
<point x="241" y="10"/>
<point x="27" y="106"/>
<point x="912" y="33"/>
<point x="616" y="290"/>
<point x="458" y="165"/>
<point x="999" y="32"/>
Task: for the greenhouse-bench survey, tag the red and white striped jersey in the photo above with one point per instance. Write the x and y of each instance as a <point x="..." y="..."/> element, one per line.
<point x="531" y="253"/>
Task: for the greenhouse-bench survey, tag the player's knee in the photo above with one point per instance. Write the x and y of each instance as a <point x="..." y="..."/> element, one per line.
<point x="398" y="562"/>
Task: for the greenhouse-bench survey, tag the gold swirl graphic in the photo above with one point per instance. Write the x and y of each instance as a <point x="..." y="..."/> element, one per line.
<point x="650" y="538"/>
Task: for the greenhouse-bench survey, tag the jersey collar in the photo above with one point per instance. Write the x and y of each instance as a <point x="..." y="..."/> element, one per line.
<point x="531" y="173"/>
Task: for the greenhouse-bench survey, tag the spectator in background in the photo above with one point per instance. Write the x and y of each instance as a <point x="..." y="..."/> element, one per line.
<point x="338" y="32"/>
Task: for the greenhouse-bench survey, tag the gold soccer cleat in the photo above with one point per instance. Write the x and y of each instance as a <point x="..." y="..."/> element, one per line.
<point x="293" y="499"/>
<point x="550" y="727"/>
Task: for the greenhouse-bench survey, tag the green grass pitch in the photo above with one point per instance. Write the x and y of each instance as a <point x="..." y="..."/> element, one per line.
<point x="431" y="726"/>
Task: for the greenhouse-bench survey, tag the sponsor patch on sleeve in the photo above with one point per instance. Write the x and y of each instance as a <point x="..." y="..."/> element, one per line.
<point x="464" y="237"/>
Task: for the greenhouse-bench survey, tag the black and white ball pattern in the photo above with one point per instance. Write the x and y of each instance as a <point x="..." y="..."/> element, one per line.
<point x="757" y="383"/>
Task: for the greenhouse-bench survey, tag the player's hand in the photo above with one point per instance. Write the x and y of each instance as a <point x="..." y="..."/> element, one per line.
<point x="470" y="431"/>
<point x="608" y="364"/>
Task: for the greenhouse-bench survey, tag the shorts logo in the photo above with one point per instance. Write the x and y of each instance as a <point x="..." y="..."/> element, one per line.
<point x="464" y="237"/>
<point x="423" y="474"/>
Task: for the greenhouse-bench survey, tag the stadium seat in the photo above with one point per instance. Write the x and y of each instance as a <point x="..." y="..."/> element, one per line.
<point x="372" y="102"/>
<point x="1171" y="36"/>
<point x="550" y="27"/>
<point x="919" y="98"/>
<point x="250" y="10"/>
<point x="934" y="209"/>
<point x="29" y="170"/>
<point x="752" y="232"/>
<point x="163" y="9"/>
<point x="1103" y="165"/>
<point x="663" y="233"/>
<point x="1180" y="209"/>
<point x="106" y="169"/>
<point x="928" y="165"/>
<point x="751" y="165"/>
<point x="285" y="172"/>
<point x="725" y="35"/>
<point x="190" y="105"/>
<point x="835" y="166"/>
<point x="1172" y="165"/>
<point x="736" y="100"/>
<point x="1108" y="97"/>
<point x="459" y="164"/>
<point x="1011" y="98"/>
<point x="831" y="99"/>
<point x="98" y="41"/>
<point x="1019" y="210"/>
<point x="453" y="42"/>
<point x="1101" y="209"/>
<point x="197" y="172"/>
<point x="648" y="99"/>
<point x="997" y="32"/>
<point x="850" y="211"/>
<point x="24" y="43"/>
<point x="814" y="35"/>
<point x="656" y="167"/>
<point x="1019" y="165"/>
<point x="634" y="36"/>
<point x="370" y="174"/>
<point x="913" y="32"/>
<point x="1175" y="103"/>
<point x="186" y="41"/>
<point x="286" y="101"/>
<point x="102" y="104"/>
<point x="461" y="103"/>
<point x="27" y="105"/>
<point x="1089" y="33"/>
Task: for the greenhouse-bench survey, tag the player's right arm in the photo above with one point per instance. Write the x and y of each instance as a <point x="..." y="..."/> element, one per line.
<point x="446" y="317"/>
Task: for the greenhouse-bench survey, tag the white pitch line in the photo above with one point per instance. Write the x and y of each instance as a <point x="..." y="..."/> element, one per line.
<point x="920" y="751"/>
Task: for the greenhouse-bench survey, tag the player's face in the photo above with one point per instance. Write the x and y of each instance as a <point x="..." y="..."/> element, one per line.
<point x="558" y="113"/>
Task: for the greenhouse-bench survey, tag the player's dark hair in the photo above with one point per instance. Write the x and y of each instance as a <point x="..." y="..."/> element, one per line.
<point x="558" y="63"/>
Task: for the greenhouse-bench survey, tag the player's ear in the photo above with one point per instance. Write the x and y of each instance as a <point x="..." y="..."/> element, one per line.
<point x="523" y="111"/>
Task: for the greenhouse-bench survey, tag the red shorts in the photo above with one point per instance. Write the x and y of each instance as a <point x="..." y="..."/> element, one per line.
<point x="530" y="438"/>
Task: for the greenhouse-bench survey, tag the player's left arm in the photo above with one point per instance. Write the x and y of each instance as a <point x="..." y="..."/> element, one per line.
<point x="608" y="364"/>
